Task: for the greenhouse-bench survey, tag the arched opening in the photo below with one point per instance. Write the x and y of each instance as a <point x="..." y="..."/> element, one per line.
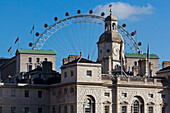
<point x="137" y="105"/>
<point x="89" y="105"/>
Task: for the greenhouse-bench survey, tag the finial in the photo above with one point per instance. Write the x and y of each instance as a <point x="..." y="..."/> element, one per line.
<point x="80" y="54"/>
<point x="110" y="9"/>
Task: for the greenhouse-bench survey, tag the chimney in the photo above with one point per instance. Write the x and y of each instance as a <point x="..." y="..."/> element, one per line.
<point x="106" y="65"/>
<point x="47" y="66"/>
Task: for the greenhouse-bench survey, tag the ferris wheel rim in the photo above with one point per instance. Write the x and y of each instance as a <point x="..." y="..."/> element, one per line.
<point x="137" y="49"/>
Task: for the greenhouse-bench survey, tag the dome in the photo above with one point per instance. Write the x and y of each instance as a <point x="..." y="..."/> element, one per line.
<point x="110" y="36"/>
<point x="110" y="18"/>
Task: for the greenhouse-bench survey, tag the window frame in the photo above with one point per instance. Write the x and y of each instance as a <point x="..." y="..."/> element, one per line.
<point x="89" y="73"/>
<point x="40" y="94"/>
<point x="13" y="91"/>
<point x="26" y="93"/>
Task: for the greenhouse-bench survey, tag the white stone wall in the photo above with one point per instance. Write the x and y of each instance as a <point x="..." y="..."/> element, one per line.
<point x="144" y="94"/>
<point x="22" y="65"/>
<point x="82" y="72"/>
<point x="20" y="101"/>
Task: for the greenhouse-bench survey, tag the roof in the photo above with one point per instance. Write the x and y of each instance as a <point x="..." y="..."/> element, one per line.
<point x="110" y="36"/>
<point x="80" y="60"/>
<point x="36" y="51"/>
<point x="111" y="18"/>
<point x="141" y="55"/>
<point x="167" y="68"/>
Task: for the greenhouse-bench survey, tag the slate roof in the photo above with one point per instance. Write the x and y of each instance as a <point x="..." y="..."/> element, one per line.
<point x="80" y="60"/>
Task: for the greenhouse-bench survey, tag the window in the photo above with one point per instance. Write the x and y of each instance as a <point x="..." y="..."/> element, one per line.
<point x="124" y="109"/>
<point x="53" y="109"/>
<point x="135" y="63"/>
<point x="0" y="92"/>
<point x="72" y="73"/>
<point x="26" y="109"/>
<point x="151" y="95"/>
<point x="53" y="93"/>
<point x="13" y="109"/>
<point x="72" y="109"/>
<point x="106" y="94"/>
<point x="39" y="94"/>
<point x="26" y="93"/>
<point x="65" y="74"/>
<point x="163" y="96"/>
<point x="136" y="106"/>
<point x="29" y="60"/>
<point x="108" y="50"/>
<point x="113" y="25"/>
<point x="29" y="67"/>
<point x="0" y="109"/>
<point x="72" y="90"/>
<point x="106" y="109"/>
<point x="89" y="73"/>
<point x="39" y="110"/>
<point x="38" y="60"/>
<point x="150" y="109"/>
<point x="163" y="109"/>
<point x="59" y="109"/>
<point x="45" y="59"/>
<point x="12" y="93"/>
<point x="124" y="94"/>
<point x="65" y="109"/>
<point x="89" y="105"/>
<point x="65" y="90"/>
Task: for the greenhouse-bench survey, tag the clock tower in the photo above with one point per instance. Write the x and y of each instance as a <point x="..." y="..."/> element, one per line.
<point x="111" y="47"/>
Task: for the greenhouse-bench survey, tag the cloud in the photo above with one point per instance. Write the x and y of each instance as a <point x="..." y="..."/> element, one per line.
<point x="124" y="10"/>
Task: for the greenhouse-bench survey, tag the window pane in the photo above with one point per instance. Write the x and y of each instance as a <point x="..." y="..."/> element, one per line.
<point x="13" y="110"/>
<point x="39" y="110"/>
<point x="106" y="109"/>
<point x="123" y="109"/>
<point x="38" y="59"/>
<point x="136" y="107"/>
<point x="26" y="93"/>
<point x="0" y="92"/>
<point x="106" y="94"/>
<point x="45" y="59"/>
<point x="30" y="60"/>
<point x="150" y="109"/>
<point x="12" y="93"/>
<point x="26" y="109"/>
<point x="89" y="73"/>
<point x="39" y="94"/>
<point x="65" y="109"/>
<point x="72" y="109"/>
<point x="72" y="73"/>
<point x="163" y="109"/>
<point x="0" y="109"/>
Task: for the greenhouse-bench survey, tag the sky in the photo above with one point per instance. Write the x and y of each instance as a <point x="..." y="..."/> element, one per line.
<point x="150" y="18"/>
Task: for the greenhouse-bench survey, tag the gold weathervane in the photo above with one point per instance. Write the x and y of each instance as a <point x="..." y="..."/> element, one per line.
<point x="110" y="9"/>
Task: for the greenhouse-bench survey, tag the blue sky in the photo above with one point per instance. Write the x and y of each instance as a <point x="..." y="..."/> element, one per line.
<point x="151" y="20"/>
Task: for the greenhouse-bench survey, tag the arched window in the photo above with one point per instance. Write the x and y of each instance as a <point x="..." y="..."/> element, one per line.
<point x="136" y="107"/>
<point x="89" y="105"/>
<point x="113" y="25"/>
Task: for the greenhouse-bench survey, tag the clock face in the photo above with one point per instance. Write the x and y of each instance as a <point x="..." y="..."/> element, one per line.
<point x="116" y="51"/>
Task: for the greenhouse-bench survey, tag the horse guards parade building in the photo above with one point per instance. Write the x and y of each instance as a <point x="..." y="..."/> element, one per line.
<point x="117" y="82"/>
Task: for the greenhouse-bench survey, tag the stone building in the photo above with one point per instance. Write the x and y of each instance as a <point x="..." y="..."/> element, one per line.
<point x="105" y="86"/>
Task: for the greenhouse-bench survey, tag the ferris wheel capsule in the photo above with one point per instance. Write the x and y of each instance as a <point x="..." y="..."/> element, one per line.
<point x="55" y="18"/>
<point x="102" y="14"/>
<point x="67" y="14"/>
<point x="45" y="25"/>
<point x="78" y="12"/>
<point x="91" y="11"/>
<point x="37" y="34"/>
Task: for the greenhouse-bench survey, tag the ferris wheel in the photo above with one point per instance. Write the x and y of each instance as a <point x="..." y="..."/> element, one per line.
<point x="82" y="20"/>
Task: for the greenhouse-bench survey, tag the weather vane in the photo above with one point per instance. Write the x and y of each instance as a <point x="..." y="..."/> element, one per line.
<point x="110" y="9"/>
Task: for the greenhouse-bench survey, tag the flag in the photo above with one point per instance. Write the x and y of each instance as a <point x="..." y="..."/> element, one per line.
<point x="133" y="33"/>
<point x="32" y="29"/>
<point x="16" y="40"/>
<point x="148" y="53"/>
<point x="9" y="49"/>
<point x="88" y="56"/>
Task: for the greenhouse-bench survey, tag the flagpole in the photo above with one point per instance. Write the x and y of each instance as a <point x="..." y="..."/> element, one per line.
<point x="18" y="44"/>
<point x="33" y="35"/>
